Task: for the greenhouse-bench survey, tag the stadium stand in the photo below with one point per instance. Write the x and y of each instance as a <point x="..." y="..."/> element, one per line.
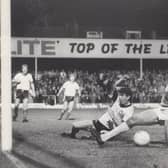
<point x="98" y="87"/>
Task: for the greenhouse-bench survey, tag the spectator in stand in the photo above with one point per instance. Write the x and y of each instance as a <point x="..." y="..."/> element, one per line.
<point x="99" y="86"/>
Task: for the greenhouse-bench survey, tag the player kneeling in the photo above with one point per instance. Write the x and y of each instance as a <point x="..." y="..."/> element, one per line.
<point x="120" y="112"/>
<point x="147" y="117"/>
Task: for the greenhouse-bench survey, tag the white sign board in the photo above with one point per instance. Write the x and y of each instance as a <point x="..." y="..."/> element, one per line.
<point x="88" y="48"/>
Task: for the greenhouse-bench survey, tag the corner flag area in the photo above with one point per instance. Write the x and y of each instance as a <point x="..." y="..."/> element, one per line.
<point x="39" y="144"/>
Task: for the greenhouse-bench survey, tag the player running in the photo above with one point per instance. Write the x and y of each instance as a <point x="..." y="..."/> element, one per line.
<point x="23" y="82"/>
<point x="70" y="89"/>
<point x="147" y="117"/>
<point x="120" y="112"/>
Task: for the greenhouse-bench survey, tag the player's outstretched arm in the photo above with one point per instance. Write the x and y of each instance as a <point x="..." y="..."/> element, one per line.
<point x="118" y="82"/>
<point x="33" y="90"/>
<point x="15" y="81"/>
<point x="59" y="92"/>
<point x="78" y="92"/>
<point x="16" y="77"/>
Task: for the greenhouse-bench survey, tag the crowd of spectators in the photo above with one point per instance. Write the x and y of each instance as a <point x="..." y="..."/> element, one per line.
<point x="98" y="87"/>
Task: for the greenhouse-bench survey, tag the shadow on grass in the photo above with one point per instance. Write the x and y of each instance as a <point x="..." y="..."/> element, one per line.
<point x="126" y="142"/>
<point x="68" y="161"/>
<point x="65" y="160"/>
<point x="29" y="160"/>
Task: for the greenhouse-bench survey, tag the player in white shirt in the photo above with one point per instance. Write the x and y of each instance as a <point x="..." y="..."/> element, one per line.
<point x="121" y="110"/>
<point x="24" y="84"/>
<point x="70" y="89"/>
<point x="146" y="117"/>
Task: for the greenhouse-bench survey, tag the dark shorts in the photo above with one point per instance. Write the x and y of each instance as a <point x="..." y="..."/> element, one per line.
<point x="99" y="126"/>
<point x="22" y="94"/>
<point x="69" y="98"/>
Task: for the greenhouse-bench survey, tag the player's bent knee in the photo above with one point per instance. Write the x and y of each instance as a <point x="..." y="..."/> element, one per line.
<point x="69" y="111"/>
<point x="25" y="106"/>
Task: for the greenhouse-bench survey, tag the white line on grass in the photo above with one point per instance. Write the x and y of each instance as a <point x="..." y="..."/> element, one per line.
<point x="18" y="163"/>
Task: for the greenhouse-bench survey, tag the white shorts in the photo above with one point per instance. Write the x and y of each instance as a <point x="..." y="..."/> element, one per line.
<point x="162" y="113"/>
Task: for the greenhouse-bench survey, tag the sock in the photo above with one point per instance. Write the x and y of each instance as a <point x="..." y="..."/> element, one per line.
<point x="67" y="116"/>
<point x="61" y="115"/>
<point x="16" y="112"/>
<point x="110" y="134"/>
<point x="25" y="113"/>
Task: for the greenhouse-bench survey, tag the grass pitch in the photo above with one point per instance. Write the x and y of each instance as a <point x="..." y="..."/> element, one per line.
<point x="39" y="144"/>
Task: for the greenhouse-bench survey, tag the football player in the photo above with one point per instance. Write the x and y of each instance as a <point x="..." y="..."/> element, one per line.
<point x="120" y="112"/>
<point x="70" y="90"/>
<point x="147" y="117"/>
<point x="24" y="84"/>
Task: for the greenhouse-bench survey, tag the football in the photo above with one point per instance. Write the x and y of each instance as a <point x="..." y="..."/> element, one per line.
<point x="141" y="138"/>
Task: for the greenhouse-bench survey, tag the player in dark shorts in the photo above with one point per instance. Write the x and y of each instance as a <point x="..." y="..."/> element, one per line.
<point x="24" y="85"/>
<point x="146" y="117"/>
<point x="70" y="90"/>
<point x="114" y="116"/>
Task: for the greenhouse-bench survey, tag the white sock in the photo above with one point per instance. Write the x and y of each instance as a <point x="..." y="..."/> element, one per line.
<point x="121" y="128"/>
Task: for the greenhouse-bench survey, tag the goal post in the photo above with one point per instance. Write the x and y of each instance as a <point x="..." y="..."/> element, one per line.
<point x="6" y="114"/>
<point x="166" y="132"/>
